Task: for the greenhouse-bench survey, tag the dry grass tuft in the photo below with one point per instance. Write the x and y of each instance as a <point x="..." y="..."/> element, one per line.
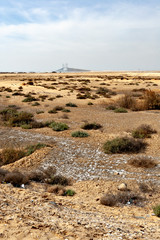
<point x="143" y="162"/>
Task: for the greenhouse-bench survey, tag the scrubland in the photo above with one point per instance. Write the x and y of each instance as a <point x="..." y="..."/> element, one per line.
<point x="79" y="155"/>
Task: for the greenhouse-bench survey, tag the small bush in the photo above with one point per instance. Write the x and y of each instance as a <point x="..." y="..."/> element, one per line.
<point x="65" y="110"/>
<point x="79" y="134"/>
<point x="35" y="104"/>
<point x="39" y="112"/>
<point x="120" y="198"/>
<point x="15" y="118"/>
<point x="42" y="175"/>
<point x="69" y="192"/>
<point x="124" y="145"/>
<point x="143" y="131"/>
<point x="90" y="126"/>
<point x="60" y="180"/>
<point x="58" y="126"/>
<point x="90" y="103"/>
<point x="16" y="178"/>
<point x="142" y="161"/>
<point x="29" y="99"/>
<point x="52" y="111"/>
<point x="120" y="110"/>
<point x="71" y="104"/>
<point x="156" y="210"/>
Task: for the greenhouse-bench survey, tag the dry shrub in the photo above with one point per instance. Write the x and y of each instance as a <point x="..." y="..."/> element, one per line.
<point x="151" y="100"/>
<point x="147" y="187"/>
<point x="108" y="200"/>
<point x="142" y="161"/>
<point x="16" y="178"/>
<point x="3" y="173"/>
<point x="143" y="131"/>
<point x="60" y="180"/>
<point x="127" y="101"/>
<point x="10" y="155"/>
<point x="57" y="189"/>
<point x="120" y="198"/>
<point x="42" y="174"/>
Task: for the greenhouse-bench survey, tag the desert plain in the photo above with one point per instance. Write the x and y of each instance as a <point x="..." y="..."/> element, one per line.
<point x="32" y="212"/>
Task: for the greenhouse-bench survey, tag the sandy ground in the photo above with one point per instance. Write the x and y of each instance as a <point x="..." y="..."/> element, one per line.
<point x="32" y="212"/>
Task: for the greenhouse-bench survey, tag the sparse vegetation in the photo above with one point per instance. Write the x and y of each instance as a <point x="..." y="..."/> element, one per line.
<point x="120" y="110"/>
<point x="124" y="145"/>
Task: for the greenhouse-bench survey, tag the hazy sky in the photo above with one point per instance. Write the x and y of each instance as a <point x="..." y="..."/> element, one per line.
<point x="41" y="35"/>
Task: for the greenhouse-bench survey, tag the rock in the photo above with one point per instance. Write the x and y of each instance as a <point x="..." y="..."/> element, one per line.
<point x="122" y="187"/>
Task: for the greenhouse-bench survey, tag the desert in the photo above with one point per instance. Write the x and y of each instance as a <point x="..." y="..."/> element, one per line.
<point x="76" y="178"/>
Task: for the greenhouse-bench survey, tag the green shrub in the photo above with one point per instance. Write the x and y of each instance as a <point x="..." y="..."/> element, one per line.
<point x="80" y="134"/>
<point x="143" y="131"/>
<point x="52" y="111"/>
<point x="156" y="210"/>
<point x="71" y="104"/>
<point x="90" y="103"/>
<point x="39" y="112"/>
<point x="35" y="104"/>
<point x="66" y="110"/>
<point x="58" y="126"/>
<point x="69" y="192"/>
<point x="111" y="107"/>
<point x="90" y="126"/>
<point x="124" y="145"/>
<point x="15" y="118"/>
<point x="26" y="126"/>
<point x="29" y="99"/>
<point x="32" y="148"/>
<point x="120" y="110"/>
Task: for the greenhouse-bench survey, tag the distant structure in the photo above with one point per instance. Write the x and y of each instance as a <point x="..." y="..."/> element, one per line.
<point x="66" y="69"/>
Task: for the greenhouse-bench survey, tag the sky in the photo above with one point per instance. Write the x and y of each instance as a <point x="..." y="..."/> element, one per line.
<point x="99" y="35"/>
